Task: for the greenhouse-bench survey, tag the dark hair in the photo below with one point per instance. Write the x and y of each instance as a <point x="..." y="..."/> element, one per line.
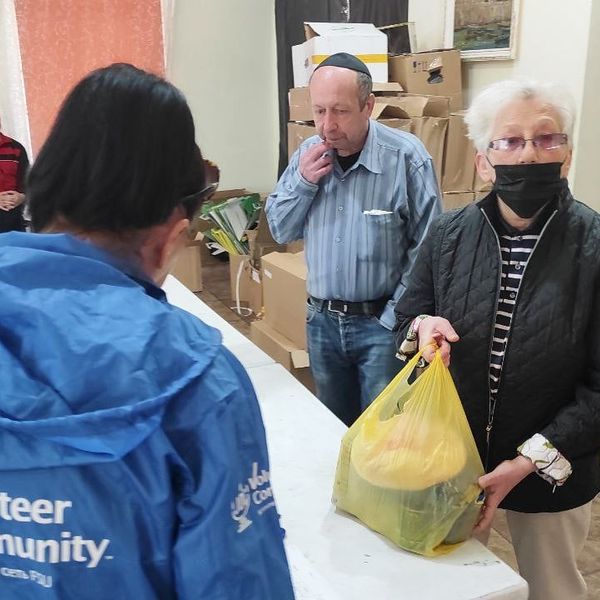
<point x="121" y="154"/>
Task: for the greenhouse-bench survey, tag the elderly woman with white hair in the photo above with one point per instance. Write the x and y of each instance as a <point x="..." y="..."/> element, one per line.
<point x="510" y="286"/>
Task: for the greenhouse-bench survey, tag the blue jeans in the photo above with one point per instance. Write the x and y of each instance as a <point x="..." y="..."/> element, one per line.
<point x="352" y="359"/>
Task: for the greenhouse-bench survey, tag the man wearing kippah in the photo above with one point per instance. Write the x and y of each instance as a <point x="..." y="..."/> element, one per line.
<point x="361" y="195"/>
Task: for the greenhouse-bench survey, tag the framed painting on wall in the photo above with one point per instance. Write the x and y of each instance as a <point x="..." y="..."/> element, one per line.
<point x="482" y="29"/>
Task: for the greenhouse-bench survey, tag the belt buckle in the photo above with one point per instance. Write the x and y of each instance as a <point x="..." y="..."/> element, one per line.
<point x="331" y="309"/>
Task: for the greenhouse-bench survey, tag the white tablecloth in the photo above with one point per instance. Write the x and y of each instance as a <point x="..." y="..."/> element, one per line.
<point x="332" y="556"/>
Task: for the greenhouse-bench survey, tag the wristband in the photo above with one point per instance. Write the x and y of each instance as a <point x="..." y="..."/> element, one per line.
<point x="410" y="345"/>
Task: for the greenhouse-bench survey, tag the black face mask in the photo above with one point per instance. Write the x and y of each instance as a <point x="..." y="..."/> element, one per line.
<point x="526" y="188"/>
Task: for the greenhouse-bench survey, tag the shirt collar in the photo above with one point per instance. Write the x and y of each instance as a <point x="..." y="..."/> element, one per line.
<point x="369" y="158"/>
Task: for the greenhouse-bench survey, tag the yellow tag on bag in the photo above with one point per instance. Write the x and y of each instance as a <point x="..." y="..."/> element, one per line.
<point x="408" y="467"/>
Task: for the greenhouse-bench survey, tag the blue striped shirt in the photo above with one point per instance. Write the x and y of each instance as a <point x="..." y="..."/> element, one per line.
<point x="361" y="228"/>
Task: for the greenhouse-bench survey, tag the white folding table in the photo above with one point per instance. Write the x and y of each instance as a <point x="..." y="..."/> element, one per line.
<point x="333" y="556"/>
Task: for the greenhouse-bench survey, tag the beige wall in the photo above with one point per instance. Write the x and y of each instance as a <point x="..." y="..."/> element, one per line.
<point x="587" y="178"/>
<point x="556" y="41"/>
<point x="224" y="60"/>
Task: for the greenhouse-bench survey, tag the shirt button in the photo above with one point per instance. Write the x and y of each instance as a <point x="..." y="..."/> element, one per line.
<point x="337" y="269"/>
<point x="340" y="208"/>
<point x="338" y="239"/>
<point x="513" y="295"/>
<point x="342" y="180"/>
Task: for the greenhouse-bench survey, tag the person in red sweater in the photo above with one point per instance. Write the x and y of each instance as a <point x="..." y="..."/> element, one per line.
<point x="13" y="168"/>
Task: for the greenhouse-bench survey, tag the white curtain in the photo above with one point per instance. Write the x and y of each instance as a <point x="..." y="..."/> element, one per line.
<point x="13" y="103"/>
<point x="168" y="16"/>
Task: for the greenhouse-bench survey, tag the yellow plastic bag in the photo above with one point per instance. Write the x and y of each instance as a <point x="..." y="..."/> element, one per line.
<point x="408" y="467"/>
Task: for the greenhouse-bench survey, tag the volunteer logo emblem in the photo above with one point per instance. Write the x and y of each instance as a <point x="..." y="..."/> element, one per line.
<point x="254" y="492"/>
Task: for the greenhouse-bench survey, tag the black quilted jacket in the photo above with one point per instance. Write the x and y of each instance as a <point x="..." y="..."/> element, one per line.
<point x="551" y="374"/>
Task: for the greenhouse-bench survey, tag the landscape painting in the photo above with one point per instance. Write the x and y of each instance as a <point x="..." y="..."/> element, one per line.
<point x="482" y="29"/>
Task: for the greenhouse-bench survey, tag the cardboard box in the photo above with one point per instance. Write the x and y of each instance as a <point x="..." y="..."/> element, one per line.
<point x="283" y="351"/>
<point x="295" y="246"/>
<point x="299" y="104"/>
<point x="260" y="240"/>
<point x="459" y="159"/>
<point x="250" y="283"/>
<point x="391" y="115"/>
<point x="460" y="173"/>
<point x="301" y="109"/>
<point x="452" y="200"/>
<point x="479" y="185"/>
<point x="237" y="265"/>
<point x="284" y="295"/>
<point x="436" y="73"/>
<point x="247" y="266"/>
<point x="255" y="291"/>
<point x="418" y="105"/>
<point x="363" y="40"/>
<point x="428" y="121"/>
<point x="432" y="132"/>
<point x="188" y="267"/>
<point x="298" y="132"/>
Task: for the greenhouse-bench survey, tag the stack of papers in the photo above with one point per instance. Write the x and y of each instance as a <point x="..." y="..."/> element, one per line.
<point x="232" y="218"/>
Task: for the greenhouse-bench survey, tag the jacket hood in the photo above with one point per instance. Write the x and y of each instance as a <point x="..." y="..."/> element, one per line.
<point x="90" y="353"/>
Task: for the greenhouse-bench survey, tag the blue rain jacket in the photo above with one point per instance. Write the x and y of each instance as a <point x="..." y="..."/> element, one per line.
<point x="133" y="462"/>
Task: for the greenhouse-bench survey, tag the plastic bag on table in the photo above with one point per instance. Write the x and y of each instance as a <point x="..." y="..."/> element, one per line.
<point x="408" y="467"/>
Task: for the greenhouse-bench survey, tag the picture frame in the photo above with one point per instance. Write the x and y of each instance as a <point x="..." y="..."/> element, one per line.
<point x="482" y="29"/>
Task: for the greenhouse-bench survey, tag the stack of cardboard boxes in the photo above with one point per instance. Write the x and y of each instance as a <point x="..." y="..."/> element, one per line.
<point x="423" y="96"/>
<point x="424" y="116"/>
<point x="301" y="125"/>
<point x="461" y="184"/>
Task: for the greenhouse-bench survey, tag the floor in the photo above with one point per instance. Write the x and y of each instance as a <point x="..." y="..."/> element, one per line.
<point x="217" y="295"/>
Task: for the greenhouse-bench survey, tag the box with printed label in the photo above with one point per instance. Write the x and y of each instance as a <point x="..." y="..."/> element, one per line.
<point x="284" y="294"/>
<point x="245" y="283"/>
<point x="435" y="73"/>
<point x="363" y="40"/>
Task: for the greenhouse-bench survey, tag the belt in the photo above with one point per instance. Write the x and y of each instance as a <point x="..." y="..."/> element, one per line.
<point x="369" y="308"/>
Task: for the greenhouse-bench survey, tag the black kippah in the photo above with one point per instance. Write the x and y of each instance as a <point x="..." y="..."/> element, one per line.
<point x="346" y="61"/>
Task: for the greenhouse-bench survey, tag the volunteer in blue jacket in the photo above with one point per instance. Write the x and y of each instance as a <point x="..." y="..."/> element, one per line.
<point x="133" y="461"/>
